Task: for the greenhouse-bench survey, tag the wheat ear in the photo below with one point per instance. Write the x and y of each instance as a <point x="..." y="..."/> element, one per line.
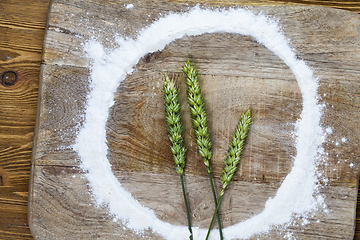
<point x="173" y="123"/>
<point x="198" y="114"/>
<point x="233" y="156"/>
<point x="199" y="123"/>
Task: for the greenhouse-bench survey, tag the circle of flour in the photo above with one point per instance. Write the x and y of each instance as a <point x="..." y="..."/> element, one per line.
<point x="295" y="195"/>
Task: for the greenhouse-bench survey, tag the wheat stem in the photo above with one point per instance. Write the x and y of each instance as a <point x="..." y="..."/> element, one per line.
<point x="216" y="203"/>
<point x="213" y="218"/>
<point x="186" y="204"/>
<point x="173" y="124"/>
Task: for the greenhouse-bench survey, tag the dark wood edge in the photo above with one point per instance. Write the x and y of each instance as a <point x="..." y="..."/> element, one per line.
<point x="33" y="154"/>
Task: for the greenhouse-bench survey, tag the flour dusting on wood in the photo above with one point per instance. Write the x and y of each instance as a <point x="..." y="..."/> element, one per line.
<point x="297" y="196"/>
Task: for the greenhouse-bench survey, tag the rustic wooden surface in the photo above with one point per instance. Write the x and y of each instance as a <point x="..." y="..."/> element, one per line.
<point x="327" y="39"/>
<point x="22" y="26"/>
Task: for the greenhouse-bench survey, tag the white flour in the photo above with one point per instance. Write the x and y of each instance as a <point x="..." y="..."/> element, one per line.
<point x="297" y="194"/>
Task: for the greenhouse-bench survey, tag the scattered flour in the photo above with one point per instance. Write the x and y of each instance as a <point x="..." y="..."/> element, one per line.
<point x="129" y="6"/>
<point x="298" y="192"/>
<point x="328" y="130"/>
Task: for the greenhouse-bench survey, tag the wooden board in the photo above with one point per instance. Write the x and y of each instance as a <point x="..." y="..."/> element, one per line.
<point x="22" y="28"/>
<point x="60" y="204"/>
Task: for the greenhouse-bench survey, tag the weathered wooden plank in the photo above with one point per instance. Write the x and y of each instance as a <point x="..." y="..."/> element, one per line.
<point x="22" y="28"/>
<point x="326" y="39"/>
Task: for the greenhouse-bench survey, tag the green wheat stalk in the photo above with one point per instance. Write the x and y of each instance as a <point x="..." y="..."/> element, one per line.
<point x="173" y="124"/>
<point x="199" y="123"/>
<point x="233" y="157"/>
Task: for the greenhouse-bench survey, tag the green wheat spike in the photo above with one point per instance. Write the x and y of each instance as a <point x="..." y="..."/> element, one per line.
<point x="199" y="123"/>
<point x="173" y="124"/>
<point x="198" y="114"/>
<point x="233" y="157"/>
<point x="236" y="145"/>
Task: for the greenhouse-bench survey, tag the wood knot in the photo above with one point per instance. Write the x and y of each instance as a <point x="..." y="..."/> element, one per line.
<point x="152" y="56"/>
<point x="8" y="78"/>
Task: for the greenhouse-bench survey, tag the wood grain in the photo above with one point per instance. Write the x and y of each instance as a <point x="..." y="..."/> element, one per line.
<point x="22" y="26"/>
<point x="248" y="75"/>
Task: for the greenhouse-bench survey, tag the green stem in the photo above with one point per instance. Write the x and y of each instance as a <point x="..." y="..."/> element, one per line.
<point x="216" y="204"/>
<point x="213" y="218"/>
<point x="187" y="207"/>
